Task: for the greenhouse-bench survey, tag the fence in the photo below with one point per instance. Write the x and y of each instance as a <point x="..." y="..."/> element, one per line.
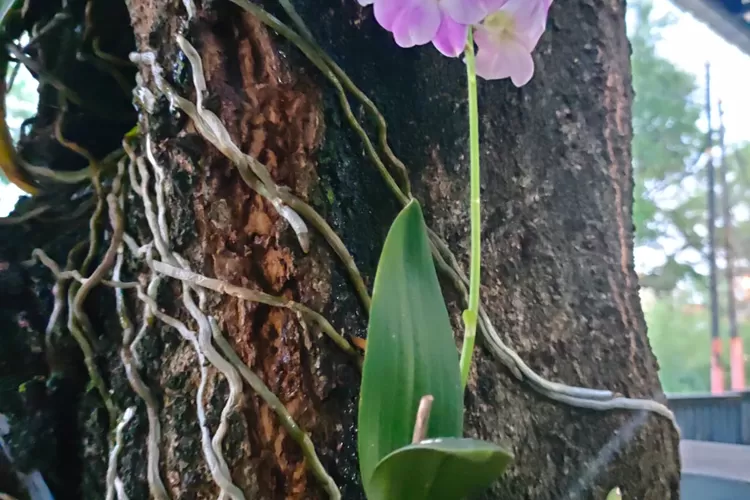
<point x="722" y="418"/>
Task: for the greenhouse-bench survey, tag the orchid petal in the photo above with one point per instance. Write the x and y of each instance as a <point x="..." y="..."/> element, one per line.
<point x="451" y="37"/>
<point x="515" y="25"/>
<point x="530" y="16"/>
<point x="470" y="11"/>
<point x="416" y="24"/>
<point x="535" y="31"/>
<point x="506" y="59"/>
<point x="388" y="11"/>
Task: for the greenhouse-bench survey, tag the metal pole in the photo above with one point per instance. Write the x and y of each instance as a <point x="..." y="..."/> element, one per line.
<point x="717" y="374"/>
<point x="736" y="354"/>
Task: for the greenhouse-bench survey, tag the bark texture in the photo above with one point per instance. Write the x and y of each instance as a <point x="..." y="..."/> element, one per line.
<point x="558" y="273"/>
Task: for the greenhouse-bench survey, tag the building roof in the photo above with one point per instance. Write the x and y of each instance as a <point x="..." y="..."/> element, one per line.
<point x="730" y="19"/>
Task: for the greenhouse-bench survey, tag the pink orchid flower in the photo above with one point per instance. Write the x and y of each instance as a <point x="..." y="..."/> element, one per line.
<point x="418" y="22"/>
<point x="507" y="37"/>
<point x="507" y="31"/>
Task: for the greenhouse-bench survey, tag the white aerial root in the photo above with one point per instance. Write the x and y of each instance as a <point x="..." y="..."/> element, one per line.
<point x="134" y="184"/>
<point x="114" y="453"/>
<point x="210" y="126"/>
<point x="127" y="355"/>
<point x="580" y="397"/>
<point x="159" y="183"/>
<point x="58" y="291"/>
<point x="224" y="482"/>
<point x="211" y="447"/>
<point x="204" y="329"/>
<point x="223" y="141"/>
<point x="201" y="342"/>
<point x="218" y="135"/>
<point x="226" y="369"/>
<point x="120" y="489"/>
<point x="189" y="8"/>
<point x="131" y="244"/>
<point x="50" y="264"/>
<point x="220" y="286"/>
<point x="147" y="318"/>
<point x="253" y="172"/>
<point x="286" y="419"/>
<point x="296" y="212"/>
<point x="143" y="95"/>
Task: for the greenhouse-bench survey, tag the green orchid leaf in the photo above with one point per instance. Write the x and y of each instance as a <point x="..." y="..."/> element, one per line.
<point x="410" y="348"/>
<point x="615" y="494"/>
<point x="441" y="469"/>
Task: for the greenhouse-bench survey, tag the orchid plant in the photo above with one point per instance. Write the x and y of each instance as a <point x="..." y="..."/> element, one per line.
<point x="506" y="32"/>
<point x="410" y="344"/>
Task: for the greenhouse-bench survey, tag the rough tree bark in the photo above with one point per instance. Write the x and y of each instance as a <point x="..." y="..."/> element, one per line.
<point x="558" y="276"/>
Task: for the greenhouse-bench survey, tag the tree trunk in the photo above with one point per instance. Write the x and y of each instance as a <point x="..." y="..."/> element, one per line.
<point x="558" y="279"/>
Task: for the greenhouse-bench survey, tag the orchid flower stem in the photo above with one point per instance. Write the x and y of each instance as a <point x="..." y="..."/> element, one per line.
<point x="471" y="315"/>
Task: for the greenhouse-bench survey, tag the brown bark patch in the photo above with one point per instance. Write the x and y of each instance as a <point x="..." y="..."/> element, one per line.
<point x="274" y="117"/>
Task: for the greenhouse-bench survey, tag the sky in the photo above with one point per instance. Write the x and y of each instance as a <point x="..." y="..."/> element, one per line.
<point x="9" y="193"/>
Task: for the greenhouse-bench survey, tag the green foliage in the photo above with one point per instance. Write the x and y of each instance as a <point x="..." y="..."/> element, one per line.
<point x="664" y="113"/>
<point x="670" y="208"/>
<point x="439" y="469"/>
<point x="666" y="137"/>
<point x="738" y="164"/>
<point x="410" y="348"/>
<point x="679" y="319"/>
<point x="679" y="336"/>
<point x="665" y="278"/>
<point x="678" y="331"/>
<point x="670" y="205"/>
<point x="670" y="187"/>
<point x="666" y="143"/>
<point x="410" y="354"/>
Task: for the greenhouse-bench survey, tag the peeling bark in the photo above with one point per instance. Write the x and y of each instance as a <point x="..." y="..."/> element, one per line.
<point x="558" y="279"/>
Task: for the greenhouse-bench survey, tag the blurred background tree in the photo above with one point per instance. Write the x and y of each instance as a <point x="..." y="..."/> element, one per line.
<point x="669" y="160"/>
